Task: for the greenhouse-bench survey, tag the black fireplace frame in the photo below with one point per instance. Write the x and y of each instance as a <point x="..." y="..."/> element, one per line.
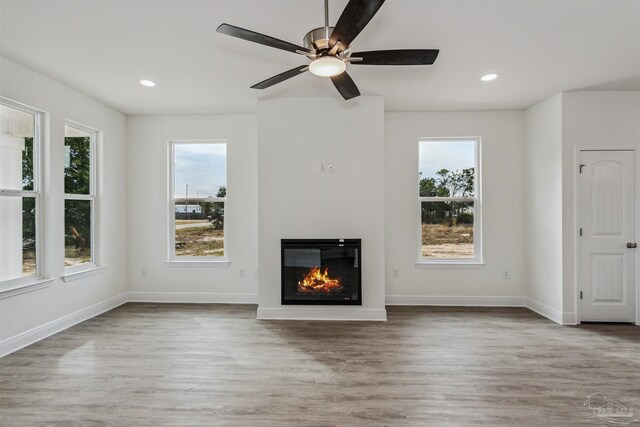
<point x="310" y="243"/>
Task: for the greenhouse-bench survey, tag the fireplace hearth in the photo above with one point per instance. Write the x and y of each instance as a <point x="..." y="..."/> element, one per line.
<point x="321" y="271"/>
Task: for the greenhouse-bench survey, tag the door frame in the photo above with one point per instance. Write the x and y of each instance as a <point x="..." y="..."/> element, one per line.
<point x="576" y="219"/>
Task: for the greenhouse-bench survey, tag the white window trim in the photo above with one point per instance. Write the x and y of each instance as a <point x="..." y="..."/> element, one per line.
<point x="70" y="276"/>
<point x="12" y="285"/>
<point x="197" y="262"/>
<point x="93" y="267"/>
<point x="192" y="261"/>
<point x="36" y="285"/>
<point x="477" y="260"/>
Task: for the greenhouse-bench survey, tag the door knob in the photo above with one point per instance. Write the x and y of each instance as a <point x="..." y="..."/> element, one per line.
<point x="632" y="245"/>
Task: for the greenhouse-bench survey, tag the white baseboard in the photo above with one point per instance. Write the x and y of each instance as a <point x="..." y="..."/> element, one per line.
<point x="38" y="333"/>
<point x="474" y="301"/>
<point x="193" y="297"/>
<point x="316" y="313"/>
<point x="546" y="311"/>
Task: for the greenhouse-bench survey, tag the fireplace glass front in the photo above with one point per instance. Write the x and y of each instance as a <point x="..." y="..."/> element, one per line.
<point x="321" y="271"/>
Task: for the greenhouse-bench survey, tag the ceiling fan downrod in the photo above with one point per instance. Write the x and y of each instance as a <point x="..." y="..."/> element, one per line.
<point x="326" y="13"/>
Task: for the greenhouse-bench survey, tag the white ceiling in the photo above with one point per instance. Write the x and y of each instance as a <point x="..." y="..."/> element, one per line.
<point x="102" y="48"/>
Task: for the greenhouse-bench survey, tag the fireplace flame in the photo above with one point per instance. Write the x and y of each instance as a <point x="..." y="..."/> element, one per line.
<point x="317" y="282"/>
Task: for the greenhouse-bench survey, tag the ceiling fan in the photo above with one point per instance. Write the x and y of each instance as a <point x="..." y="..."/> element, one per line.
<point x="329" y="48"/>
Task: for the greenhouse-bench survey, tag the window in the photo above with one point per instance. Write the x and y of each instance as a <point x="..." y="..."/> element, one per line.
<point x="449" y="197"/>
<point x="79" y="197"/>
<point x="20" y="196"/>
<point x="198" y="194"/>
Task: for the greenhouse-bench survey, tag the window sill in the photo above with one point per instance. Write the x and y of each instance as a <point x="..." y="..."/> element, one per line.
<point x="199" y="263"/>
<point x="23" y="288"/>
<point x="75" y="275"/>
<point x="450" y="264"/>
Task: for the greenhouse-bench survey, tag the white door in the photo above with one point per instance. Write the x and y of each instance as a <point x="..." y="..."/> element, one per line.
<point x="606" y="276"/>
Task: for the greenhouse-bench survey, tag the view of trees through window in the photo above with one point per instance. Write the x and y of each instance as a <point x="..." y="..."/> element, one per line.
<point x="199" y="196"/>
<point x="28" y="212"/>
<point x="447" y="198"/>
<point x="78" y="197"/>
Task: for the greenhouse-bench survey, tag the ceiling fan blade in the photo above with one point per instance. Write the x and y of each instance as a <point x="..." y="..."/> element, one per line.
<point x="252" y="36"/>
<point x="280" y="77"/>
<point x="397" y="57"/>
<point x="345" y="86"/>
<point x="355" y="16"/>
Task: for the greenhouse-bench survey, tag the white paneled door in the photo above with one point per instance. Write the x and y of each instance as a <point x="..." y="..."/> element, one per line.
<point x="607" y="243"/>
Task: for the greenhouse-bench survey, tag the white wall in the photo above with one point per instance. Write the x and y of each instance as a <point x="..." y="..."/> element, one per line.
<point x="502" y="212"/>
<point x="298" y="201"/>
<point x="27" y="311"/>
<point x="593" y="120"/>
<point x="543" y="190"/>
<point x="148" y="137"/>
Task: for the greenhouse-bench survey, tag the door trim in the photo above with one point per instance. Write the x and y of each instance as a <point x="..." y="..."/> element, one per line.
<point x="576" y="219"/>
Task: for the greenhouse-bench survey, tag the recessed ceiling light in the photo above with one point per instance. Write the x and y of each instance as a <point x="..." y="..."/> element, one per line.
<point x="489" y="77"/>
<point x="147" y="83"/>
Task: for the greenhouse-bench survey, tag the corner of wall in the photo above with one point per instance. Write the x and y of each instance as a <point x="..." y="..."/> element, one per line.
<point x="544" y="206"/>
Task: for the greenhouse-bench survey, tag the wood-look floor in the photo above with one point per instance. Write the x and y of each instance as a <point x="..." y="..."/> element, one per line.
<point x="201" y="365"/>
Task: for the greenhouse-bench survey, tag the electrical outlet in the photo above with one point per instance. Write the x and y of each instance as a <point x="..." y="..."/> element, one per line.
<point x="242" y="272"/>
<point x="143" y="272"/>
<point x="395" y="273"/>
<point x="506" y="274"/>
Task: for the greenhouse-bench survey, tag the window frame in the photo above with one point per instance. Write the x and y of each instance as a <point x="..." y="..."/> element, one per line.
<point x="478" y="258"/>
<point x="36" y="194"/>
<point x="172" y="200"/>
<point x="91" y="197"/>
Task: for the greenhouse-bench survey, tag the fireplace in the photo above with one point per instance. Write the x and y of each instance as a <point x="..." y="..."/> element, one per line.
<point x="321" y="271"/>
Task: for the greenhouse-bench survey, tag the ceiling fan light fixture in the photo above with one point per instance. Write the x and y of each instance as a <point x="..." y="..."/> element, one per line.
<point x="327" y="66"/>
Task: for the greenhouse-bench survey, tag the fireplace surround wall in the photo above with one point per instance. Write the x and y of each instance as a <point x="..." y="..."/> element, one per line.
<point x="299" y="199"/>
<point x="321" y="272"/>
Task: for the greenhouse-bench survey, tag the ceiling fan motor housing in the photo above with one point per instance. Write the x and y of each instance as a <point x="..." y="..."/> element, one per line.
<point x="318" y="38"/>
